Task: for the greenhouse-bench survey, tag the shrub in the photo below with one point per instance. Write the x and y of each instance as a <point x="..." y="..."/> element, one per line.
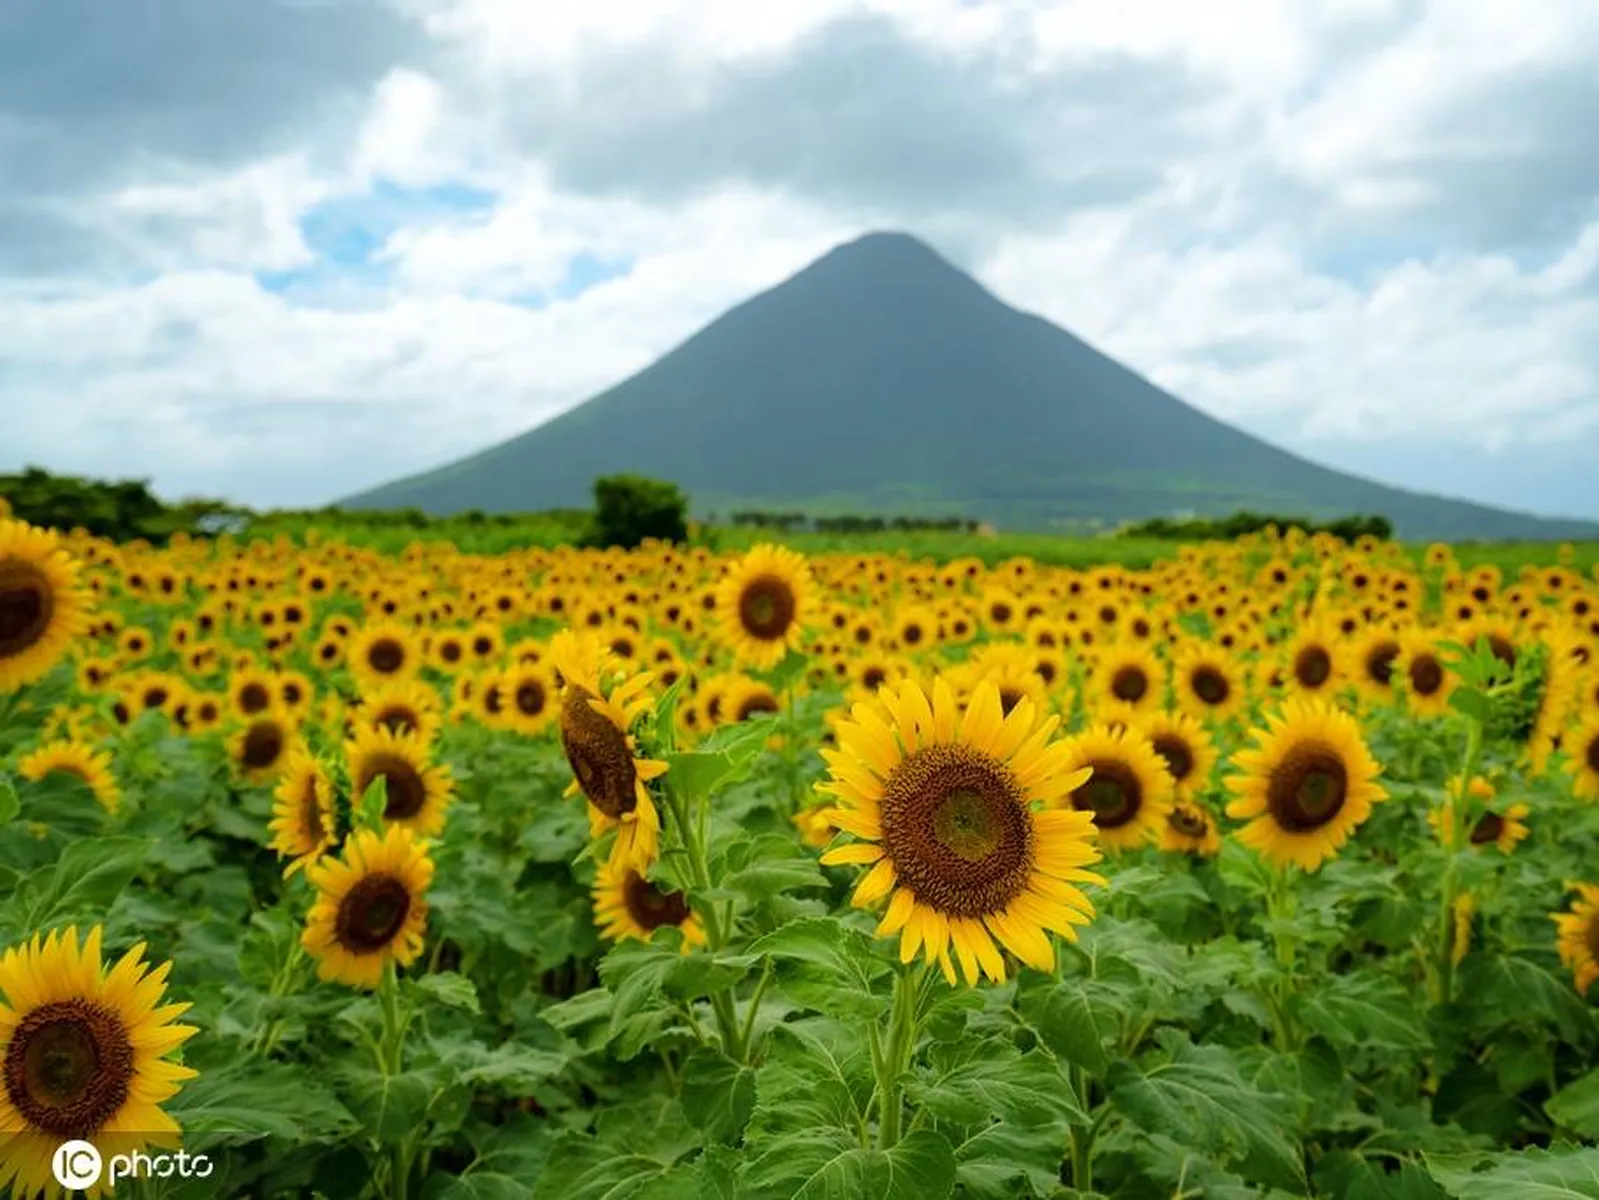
<point x="630" y="508"/>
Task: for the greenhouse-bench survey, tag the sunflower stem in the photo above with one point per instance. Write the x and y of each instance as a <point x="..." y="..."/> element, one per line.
<point x="392" y="1057"/>
<point x="1280" y="905"/>
<point x="1082" y="1147"/>
<point x="896" y="1053"/>
<point x="1455" y="829"/>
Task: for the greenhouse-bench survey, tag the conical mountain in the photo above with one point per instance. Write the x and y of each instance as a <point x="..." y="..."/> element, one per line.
<point x="882" y="379"/>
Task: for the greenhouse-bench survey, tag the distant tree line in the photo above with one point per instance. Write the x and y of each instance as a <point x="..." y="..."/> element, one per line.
<point x="791" y="522"/>
<point x="1240" y="523"/>
<point x="121" y="510"/>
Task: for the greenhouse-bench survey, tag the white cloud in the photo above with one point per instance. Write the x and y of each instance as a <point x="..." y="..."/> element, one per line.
<point x="1299" y="215"/>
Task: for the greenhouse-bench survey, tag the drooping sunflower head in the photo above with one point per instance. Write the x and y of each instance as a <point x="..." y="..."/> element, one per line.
<point x="43" y="606"/>
<point x="943" y="802"/>
<point x="1305" y="786"/>
<point x="629" y="905"/>
<point x="1578" y="935"/>
<point x="763" y="605"/>
<point x="417" y="790"/>
<point x="304" y="826"/>
<point x="1129" y="792"/>
<point x="602" y="752"/>
<point x="371" y="906"/>
<point x="84" y="1054"/>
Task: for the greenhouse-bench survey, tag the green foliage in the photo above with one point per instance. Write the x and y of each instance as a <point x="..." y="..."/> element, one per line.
<point x="120" y="510"/>
<point x="1227" y="529"/>
<point x="630" y="508"/>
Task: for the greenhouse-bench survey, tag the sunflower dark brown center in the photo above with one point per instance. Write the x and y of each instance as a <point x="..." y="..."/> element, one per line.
<point x="27" y="603"/>
<point x="1426" y="675"/>
<point x="1312" y="666"/>
<point x="69" y="1067"/>
<point x="1009" y="697"/>
<point x="1489" y="828"/>
<point x="253" y="698"/>
<point x="1113" y="793"/>
<point x="1210" y="685"/>
<point x="402" y="785"/>
<point x="450" y="651"/>
<point x="263" y="744"/>
<point x="398" y="717"/>
<point x="1590" y="753"/>
<point x="956" y="827"/>
<point x="650" y="906"/>
<point x="1129" y="683"/>
<point x="766" y="607"/>
<point x="1380" y="662"/>
<point x="312" y="828"/>
<point x="1187" y="822"/>
<point x="873" y="677"/>
<point x="372" y="913"/>
<point x="758" y="702"/>
<point x="599" y="756"/>
<point x="1307" y="788"/>
<point x="530" y="697"/>
<point x="386" y="656"/>
<point x="1179" y="755"/>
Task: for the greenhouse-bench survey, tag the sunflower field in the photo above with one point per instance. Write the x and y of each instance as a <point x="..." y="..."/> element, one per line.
<point x="1268" y="870"/>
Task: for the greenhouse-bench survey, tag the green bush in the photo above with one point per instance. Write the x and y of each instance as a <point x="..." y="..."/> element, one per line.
<point x="630" y="508"/>
<point x="1241" y="523"/>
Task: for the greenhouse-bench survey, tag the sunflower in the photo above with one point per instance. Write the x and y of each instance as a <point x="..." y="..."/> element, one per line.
<point x="1428" y="683"/>
<point x="815" y="825"/>
<point x="259" y="747"/>
<point x="417" y="791"/>
<point x="763" y="603"/>
<point x="1190" y="829"/>
<point x="1207" y="683"/>
<point x="72" y="757"/>
<point x="1375" y="655"/>
<point x="1130" y="675"/>
<point x="1501" y="830"/>
<point x="1582" y="757"/>
<point x="627" y="905"/>
<point x="1183" y="742"/>
<point x="943" y="802"/>
<point x="1129" y="792"/>
<point x="1305" y="787"/>
<point x="528" y="696"/>
<point x="303" y="823"/>
<point x="370" y="908"/>
<point x="1313" y="659"/>
<point x="1578" y="939"/>
<point x="601" y="751"/>
<point x="384" y="651"/>
<point x="43" y="607"/>
<point x="85" y="1053"/>
<point x="403" y="705"/>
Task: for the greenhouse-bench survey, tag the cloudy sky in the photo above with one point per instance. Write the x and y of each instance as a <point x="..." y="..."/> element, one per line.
<point x="282" y="250"/>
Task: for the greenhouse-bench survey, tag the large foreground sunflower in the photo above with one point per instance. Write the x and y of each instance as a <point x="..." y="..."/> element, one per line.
<point x="1305" y="787"/>
<point x="601" y="751"/>
<point x="943" y="802"/>
<point x="763" y="604"/>
<point x="42" y="606"/>
<point x="1578" y="940"/>
<point x="83" y="1055"/>
<point x="627" y="905"/>
<point x="370" y="907"/>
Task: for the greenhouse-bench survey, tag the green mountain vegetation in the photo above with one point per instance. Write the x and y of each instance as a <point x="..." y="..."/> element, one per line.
<point x="882" y="379"/>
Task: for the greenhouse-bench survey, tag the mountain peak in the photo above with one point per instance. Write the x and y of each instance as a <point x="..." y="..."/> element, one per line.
<point x="882" y="378"/>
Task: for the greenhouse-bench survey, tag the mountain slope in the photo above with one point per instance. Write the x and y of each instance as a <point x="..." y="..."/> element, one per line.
<point x="882" y="379"/>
